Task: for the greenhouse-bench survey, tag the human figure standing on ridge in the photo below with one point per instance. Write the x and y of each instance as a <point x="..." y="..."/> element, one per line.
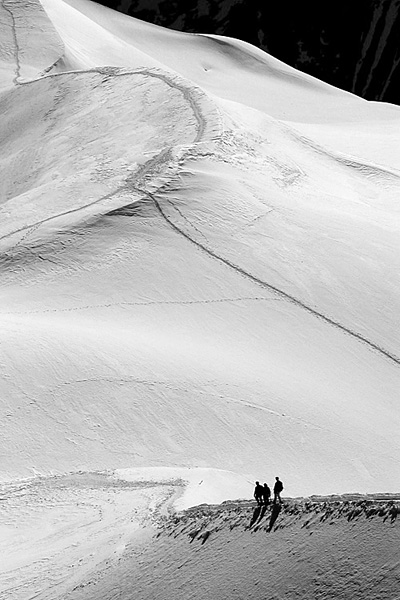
<point x="278" y="487"/>
<point x="266" y="494"/>
<point x="258" y="492"/>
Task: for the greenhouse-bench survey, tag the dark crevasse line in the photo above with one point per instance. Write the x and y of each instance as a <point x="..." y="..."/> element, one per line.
<point x="275" y="290"/>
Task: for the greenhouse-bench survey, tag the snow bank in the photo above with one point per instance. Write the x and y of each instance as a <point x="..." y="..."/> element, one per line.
<point x="200" y="486"/>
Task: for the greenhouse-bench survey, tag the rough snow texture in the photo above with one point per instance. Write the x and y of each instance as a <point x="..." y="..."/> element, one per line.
<point x="199" y="260"/>
<point x="55" y="531"/>
<point x="343" y="549"/>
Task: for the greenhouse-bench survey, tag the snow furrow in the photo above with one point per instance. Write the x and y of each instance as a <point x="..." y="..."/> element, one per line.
<point x="285" y="296"/>
<point x="8" y="9"/>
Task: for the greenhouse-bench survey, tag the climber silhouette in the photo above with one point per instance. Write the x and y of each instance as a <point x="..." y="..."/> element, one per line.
<point x="278" y="487"/>
<point x="259" y="493"/>
<point x="266" y="494"/>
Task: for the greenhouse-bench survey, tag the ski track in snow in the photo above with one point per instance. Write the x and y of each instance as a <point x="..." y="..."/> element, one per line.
<point x="73" y="525"/>
<point x="275" y="290"/>
<point x="187" y="93"/>
<point x="144" y="169"/>
<point x="144" y="303"/>
<point x="7" y="8"/>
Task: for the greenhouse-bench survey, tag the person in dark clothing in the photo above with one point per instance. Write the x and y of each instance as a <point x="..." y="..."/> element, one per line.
<point x="278" y="487"/>
<point x="258" y="493"/>
<point x="266" y="494"/>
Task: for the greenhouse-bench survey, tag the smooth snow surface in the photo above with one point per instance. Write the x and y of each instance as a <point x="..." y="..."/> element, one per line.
<point x="200" y="260"/>
<point x="201" y="486"/>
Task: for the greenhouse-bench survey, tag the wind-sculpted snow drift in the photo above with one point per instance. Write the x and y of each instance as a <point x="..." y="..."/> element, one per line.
<point x="199" y="258"/>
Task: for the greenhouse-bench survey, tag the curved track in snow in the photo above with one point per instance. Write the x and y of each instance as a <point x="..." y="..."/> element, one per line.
<point x="163" y="158"/>
<point x="281" y="293"/>
<point x="16" y="46"/>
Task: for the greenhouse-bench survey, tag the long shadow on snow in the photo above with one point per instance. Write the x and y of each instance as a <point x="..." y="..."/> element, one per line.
<point x="276" y="509"/>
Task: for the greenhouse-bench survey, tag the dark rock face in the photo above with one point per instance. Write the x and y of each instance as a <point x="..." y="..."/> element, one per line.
<point x="351" y="45"/>
<point x="110" y="3"/>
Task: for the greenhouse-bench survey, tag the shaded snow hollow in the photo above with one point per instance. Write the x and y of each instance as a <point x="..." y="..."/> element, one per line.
<point x="199" y="262"/>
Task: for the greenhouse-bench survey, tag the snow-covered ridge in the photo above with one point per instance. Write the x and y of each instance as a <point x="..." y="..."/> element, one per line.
<point x="334" y="548"/>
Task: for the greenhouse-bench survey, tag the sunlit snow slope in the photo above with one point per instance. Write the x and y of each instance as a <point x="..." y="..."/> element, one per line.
<point x="199" y="258"/>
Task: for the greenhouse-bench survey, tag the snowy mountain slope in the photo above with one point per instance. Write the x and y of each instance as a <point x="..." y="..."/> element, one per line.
<point x="199" y="260"/>
<point x="187" y="279"/>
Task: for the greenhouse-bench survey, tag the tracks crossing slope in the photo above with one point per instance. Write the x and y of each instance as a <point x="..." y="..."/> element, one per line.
<point x="191" y="96"/>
